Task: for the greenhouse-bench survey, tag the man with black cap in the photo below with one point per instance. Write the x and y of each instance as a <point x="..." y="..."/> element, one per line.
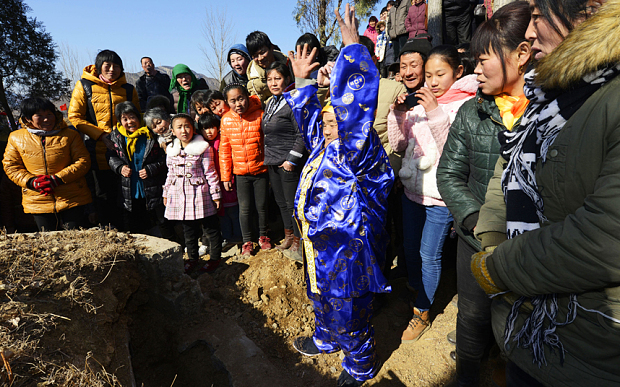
<point x="411" y="63"/>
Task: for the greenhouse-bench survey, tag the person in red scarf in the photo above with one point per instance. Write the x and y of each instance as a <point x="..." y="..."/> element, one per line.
<point x="466" y="166"/>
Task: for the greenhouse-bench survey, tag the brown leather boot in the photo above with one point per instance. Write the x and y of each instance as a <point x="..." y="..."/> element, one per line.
<point x="295" y="251"/>
<point x="419" y="324"/>
<point x="288" y="240"/>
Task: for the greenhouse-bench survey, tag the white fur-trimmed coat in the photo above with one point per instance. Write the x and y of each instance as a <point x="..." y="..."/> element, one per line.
<point x="422" y="135"/>
<point x="192" y="183"/>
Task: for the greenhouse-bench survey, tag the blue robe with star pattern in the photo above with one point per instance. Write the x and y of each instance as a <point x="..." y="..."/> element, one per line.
<point x="341" y="200"/>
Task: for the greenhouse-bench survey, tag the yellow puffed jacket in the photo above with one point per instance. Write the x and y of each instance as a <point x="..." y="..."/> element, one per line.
<point x="63" y="155"/>
<point x="104" y="100"/>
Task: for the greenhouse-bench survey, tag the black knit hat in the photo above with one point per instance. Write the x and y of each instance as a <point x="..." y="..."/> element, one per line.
<point x="421" y="46"/>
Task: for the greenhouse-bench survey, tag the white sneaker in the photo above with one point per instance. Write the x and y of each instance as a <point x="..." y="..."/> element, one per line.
<point x="203" y="250"/>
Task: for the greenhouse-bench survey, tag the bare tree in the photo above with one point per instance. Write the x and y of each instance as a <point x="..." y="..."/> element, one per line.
<point x="69" y="63"/>
<point x="219" y="33"/>
<point x="317" y="17"/>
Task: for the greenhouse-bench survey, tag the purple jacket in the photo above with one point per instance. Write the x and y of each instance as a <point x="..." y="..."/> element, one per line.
<point x="414" y="23"/>
<point x="192" y="182"/>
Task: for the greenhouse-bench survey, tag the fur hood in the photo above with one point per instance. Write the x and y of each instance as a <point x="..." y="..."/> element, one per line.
<point x="196" y="147"/>
<point x="590" y="46"/>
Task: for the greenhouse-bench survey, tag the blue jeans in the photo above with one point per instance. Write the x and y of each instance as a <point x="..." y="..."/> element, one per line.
<point x="424" y="231"/>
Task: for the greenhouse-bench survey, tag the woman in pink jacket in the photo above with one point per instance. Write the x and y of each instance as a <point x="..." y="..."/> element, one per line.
<point x="415" y="23"/>
<point x="423" y="131"/>
<point x="371" y="31"/>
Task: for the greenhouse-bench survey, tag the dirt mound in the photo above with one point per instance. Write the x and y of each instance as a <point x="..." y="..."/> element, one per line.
<point x="56" y="314"/>
<point x="266" y="296"/>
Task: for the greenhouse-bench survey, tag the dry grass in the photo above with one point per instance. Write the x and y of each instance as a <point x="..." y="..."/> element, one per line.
<point x="48" y="268"/>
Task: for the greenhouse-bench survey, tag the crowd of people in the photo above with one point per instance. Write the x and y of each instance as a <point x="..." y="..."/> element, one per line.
<point x="373" y="151"/>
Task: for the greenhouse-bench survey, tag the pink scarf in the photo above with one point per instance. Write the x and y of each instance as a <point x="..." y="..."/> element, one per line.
<point x="105" y="79"/>
<point x="463" y="88"/>
<point x="454" y="95"/>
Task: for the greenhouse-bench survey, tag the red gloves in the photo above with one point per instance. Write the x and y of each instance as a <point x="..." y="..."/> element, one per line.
<point x="45" y="184"/>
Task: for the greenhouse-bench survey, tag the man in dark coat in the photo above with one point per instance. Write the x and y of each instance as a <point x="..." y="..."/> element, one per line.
<point x="457" y="17"/>
<point x="152" y="83"/>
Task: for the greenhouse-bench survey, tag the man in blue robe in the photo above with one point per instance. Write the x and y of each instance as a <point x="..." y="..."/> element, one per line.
<point x="341" y="204"/>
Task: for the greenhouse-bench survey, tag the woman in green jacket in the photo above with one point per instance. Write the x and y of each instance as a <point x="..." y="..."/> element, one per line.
<point x="467" y="162"/>
<point x="558" y="319"/>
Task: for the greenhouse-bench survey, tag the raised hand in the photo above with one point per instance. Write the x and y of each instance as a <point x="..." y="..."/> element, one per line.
<point x="302" y="63"/>
<point x="324" y="74"/>
<point x="348" y="25"/>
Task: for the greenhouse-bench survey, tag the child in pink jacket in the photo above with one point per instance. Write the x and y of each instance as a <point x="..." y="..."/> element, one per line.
<point x="209" y="128"/>
<point x="192" y="191"/>
<point x="422" y="131"/>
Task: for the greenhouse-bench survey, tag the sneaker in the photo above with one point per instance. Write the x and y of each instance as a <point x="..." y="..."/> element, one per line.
<point x="210" y="266"/>
<point x="346" y="380"/>
<point x="190" y="265"/>
<point x="305" y="345"/>
<point x="246" y="250"/>
<point x="264" y="243"/>
<point x="452" y="337"/>
<point x="203" y="250"/>
<point x="295" y="251"/>
<point x="419" y="324"/>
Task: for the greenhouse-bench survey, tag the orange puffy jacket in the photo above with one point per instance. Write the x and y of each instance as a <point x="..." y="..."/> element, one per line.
<point x="242" y="144"/>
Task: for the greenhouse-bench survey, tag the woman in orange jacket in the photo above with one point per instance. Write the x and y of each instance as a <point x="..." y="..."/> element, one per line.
<point x="91" y="110"/>
<point x="242" y="153"/>
<point x="48" y="161"/>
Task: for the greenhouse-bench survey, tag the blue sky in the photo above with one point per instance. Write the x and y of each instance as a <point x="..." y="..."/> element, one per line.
<point x="168" y="31"/>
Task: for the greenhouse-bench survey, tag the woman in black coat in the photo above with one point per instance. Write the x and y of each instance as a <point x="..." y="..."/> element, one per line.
<point x="141" y="163"/>
<point x="285" y="153"/>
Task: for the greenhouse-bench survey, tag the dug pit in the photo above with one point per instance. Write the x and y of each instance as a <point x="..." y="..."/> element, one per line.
<point x="101" y="308"/>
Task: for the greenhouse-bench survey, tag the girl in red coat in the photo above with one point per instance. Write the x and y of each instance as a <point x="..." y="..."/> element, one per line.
<point x="242" y="153"/>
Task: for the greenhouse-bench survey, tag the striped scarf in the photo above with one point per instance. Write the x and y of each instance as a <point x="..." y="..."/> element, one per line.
<point x="543" y="120"/>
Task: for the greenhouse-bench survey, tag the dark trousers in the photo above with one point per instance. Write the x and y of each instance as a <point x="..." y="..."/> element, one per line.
<point x="193" y="229"/>
<point x="516" y="377"/>
<point x="105" y="188"/>
<point x="473" y="321"/>
<point x="284" y="186"/>
<point x="229" y="222"/>
<point x="398" y="43"/>
<point x="252" y="189"/>
<point x="458" y="28"/>
<point x="139" y="219"/>
<point x="68" y="219"/>
<point x="394" y="227"/>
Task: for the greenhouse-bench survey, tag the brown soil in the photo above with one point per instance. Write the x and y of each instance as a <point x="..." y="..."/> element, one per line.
<point x="58" y="324"/>
<point x="266" y="295"/>
<point x="71" y="302"/>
